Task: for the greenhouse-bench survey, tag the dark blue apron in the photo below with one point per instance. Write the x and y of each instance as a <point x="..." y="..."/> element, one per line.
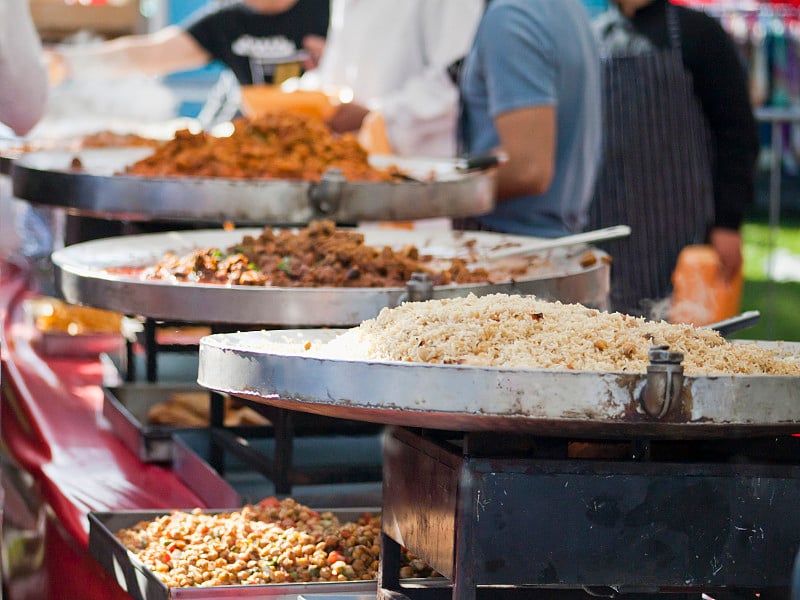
<point x="656" y="173"/>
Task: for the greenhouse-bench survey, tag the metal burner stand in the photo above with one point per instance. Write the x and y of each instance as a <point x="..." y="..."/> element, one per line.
<point x="538" y="483"/>
<point x="285" y="427"/>
<point x="661" y="517"/>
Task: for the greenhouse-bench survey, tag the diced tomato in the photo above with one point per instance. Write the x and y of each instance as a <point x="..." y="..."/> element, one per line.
<point x="335" y="556"/>
<point x="271" y="502"/>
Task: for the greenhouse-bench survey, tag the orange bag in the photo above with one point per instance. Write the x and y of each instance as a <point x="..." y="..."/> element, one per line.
<point x="258" y="99"/>
<point x="700" y="295"/>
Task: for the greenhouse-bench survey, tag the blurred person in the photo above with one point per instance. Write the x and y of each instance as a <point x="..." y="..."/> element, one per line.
<point x="388" y="63"/>
<point x="258" y="41"/>
<point x="23" y="71"/>
<point x="531" y="86"/>
<point x="680" y="145"/>
<point x="23" y="100"/>
<point x="255" y="39"/>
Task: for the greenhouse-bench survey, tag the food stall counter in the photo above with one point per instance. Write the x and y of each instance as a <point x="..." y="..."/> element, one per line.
<point x="61" y="461"/>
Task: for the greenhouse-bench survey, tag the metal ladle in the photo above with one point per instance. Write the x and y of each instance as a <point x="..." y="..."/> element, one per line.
<point x="538" y="244"/>
<point x="741" y="321"/>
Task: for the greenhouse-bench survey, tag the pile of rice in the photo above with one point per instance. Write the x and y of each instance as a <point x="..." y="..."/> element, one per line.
<point x="525" y="332"/>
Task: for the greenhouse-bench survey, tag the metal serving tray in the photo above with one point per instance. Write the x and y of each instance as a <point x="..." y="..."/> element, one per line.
<point x="96" y="189"/>
<point x="54" y="343"/>
<point x="243" y="480"/>
<point x="83" y="276"/>
<point x="270" y="366"/>
<point x="125" y="407"/>
<point x="140" y="582"/>
<point x="57" y="344"/>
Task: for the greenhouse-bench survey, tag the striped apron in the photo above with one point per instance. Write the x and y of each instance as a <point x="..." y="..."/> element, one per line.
<point x="656" y="174"/>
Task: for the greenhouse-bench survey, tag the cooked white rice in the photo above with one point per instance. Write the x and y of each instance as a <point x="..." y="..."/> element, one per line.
<point x="525" y="332"/>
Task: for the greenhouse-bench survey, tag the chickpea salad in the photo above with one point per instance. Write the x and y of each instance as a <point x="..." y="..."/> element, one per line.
<point x="274" y="541"/>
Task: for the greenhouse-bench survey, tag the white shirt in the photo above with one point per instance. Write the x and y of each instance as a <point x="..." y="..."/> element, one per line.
<point x="393" y="55"/>
<point x="23" y="75"/>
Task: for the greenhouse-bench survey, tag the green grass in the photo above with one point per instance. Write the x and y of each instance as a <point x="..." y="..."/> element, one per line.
<point x="778" y="302"/>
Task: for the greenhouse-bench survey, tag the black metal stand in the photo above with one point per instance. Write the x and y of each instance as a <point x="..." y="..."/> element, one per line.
<point x="285" y="426"/>
<point x="503" y="515"/>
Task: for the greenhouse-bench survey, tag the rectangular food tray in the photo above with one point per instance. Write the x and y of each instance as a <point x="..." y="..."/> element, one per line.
<point x="125" y="407"/>
<point x="142" y="584"/>
<point x="56" y="344"/>
<point x="60" y="344"/>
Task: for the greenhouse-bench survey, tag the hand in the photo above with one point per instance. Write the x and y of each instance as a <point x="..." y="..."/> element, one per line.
<point x="348" y="117"/>
<point x="728" y="244"/>
<point x="57" y="67"/>
<point x="314" y="45"/>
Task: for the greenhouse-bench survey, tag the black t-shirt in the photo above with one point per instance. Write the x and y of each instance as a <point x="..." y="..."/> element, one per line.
<point x="720" y="83"/>
<point x="252" y="44"/>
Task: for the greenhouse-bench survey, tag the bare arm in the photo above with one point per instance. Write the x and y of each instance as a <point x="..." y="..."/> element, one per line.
<point x="165" y="51"/>
<point x="23" y="76"/>
<point x="528" y="136"/>
<point x="728" y="244"/>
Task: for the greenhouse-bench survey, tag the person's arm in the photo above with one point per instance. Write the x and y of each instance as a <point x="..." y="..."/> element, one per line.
<point x="520" y="70"/>
<point x="160" y="53"/>
<point x="23" y="75"/>
<point x="728" y="244"/>
<point x="528" y="136"/>
<point x="720" y="82"/>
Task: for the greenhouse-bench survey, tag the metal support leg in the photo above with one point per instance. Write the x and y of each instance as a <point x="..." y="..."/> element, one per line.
<point x="284" y="451"/>
<point x="151" y="350"/>
<point x="216" y="420"/>
<point x="774" y="218"/>
<point x="130" y="361"/>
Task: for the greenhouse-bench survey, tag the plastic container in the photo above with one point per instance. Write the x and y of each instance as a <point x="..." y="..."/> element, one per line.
<point x="258" y="99"/>
<point x="700" y="295"/>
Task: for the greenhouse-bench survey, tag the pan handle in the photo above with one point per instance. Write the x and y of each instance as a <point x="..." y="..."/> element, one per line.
<point x="325" y="197"/>
<point x="734" y="324"/>
<point x="481" y="162"/>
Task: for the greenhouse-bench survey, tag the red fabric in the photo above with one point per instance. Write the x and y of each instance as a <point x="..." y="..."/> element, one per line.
<point x="52" y="427"/>
<point x="729" y="4"/>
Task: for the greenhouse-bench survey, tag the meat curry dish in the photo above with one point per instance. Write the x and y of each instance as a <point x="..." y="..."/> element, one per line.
<point x="319" y="255"/>
<point x="279" y="145"/>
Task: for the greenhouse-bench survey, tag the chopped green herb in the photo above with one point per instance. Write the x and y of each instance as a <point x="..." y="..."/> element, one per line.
<point x="284" y="265"/>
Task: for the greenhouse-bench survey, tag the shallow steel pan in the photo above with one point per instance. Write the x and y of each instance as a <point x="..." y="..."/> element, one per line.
<point x="84" y="274"/>
<point x="271" y="367"/>
<point x="9" y="152"/>
<point x="96" y="190"/>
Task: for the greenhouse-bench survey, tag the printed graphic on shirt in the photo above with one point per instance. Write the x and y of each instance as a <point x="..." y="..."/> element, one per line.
<point x="273" y="58"/>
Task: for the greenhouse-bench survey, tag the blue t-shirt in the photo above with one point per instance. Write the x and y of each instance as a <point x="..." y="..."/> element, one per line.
<point x="534" y="53"/>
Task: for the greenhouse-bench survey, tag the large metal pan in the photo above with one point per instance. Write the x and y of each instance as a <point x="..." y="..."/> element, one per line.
<point x="9" y="152"/>
<point x="271" y="367"/>
<point x="97" y="190"/>
<point x="6" y="160"/>
<point x="85" y="275"/>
